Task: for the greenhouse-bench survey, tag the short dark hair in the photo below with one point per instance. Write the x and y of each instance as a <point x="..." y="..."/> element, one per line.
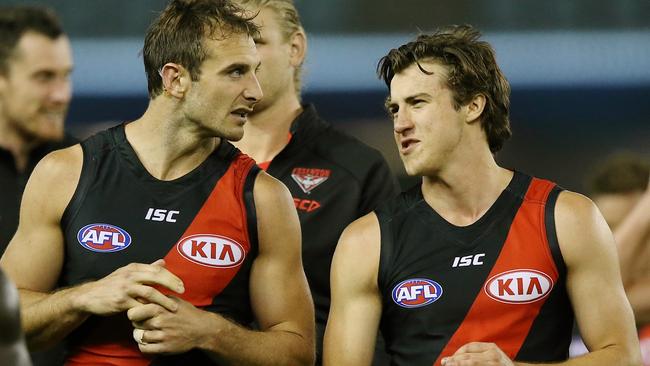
<point x="620" y="173"/>
<point x="472" y="68"/>
<point x="177" y="35"/>
<point x="15" y="21"/>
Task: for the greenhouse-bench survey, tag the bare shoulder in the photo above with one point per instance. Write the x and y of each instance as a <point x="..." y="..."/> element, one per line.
<point x="269" y="190"/>
<point x="573" y="205"/>
<point x="357" y="253"/>
<point x="51" y="186"/>
<point x="361" y="237"/>
<point x="61" y="164"/>
<point x="580" y="227"/>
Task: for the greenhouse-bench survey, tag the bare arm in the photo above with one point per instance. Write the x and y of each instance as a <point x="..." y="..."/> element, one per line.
<point x="35" y="257"/>
<point x="356" y="302"/>
<point x="280" y="299"/>
<point x="594" y="286"/>
<point x="606" y="322"/>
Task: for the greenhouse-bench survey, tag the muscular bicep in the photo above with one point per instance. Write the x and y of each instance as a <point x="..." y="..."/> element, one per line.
<point x="279" y="291"/>
<point x="593" y="276"/>
<point x="35" y="254"/>
<point x="356" y="303"/>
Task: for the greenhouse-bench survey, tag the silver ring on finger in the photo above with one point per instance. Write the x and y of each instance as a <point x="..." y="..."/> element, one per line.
<point x="138" y="334"/>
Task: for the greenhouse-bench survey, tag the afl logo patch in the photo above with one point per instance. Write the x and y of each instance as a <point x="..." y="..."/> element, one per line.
<point x="103" y="238"/>
<point x="211" y="250"/>
<point x="416" y="292"/>
<point x="519" y="286"/>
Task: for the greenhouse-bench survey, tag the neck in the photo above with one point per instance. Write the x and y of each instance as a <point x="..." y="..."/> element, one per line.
<point x="463" y="191"/>
<point x="17" y="144"/>
<point x="168" y="147"/>
<point x="265" y="134"/>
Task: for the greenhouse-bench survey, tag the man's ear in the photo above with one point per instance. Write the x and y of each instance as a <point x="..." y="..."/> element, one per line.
<point x="176" y="80"/>
<point x="475" y="108"/>
<point x="298" y="50"/>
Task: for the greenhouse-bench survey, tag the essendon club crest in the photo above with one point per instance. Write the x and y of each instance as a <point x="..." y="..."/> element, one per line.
<point x="309" y="178"/>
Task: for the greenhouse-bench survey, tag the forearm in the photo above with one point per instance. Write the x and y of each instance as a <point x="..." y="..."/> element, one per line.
<point x="48" y="318"/>
<point x="233" y="344"/>
<point x="614" y="355"/>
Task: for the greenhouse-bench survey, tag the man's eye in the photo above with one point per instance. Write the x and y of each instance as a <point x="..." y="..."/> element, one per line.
<point x="237" y="73"/>
<point x="44" y="77"/>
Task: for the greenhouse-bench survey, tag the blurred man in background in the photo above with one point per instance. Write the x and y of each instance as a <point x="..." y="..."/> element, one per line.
<point x="333" y="178"/>
<point x="620" y="189"/>
<point x="35" y="91"/>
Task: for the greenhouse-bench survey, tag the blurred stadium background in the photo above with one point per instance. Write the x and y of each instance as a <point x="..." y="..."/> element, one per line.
<point x="579" y="70"/>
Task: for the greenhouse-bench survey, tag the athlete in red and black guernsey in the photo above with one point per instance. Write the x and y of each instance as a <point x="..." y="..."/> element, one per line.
<point x="165" y="238"/>
<point x="478" y="265"/>
<point x="333" y="178"/>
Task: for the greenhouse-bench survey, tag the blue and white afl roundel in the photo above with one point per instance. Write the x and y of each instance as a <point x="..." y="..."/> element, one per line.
<point x="416" y="292"/>
<point x="103" y="238"/>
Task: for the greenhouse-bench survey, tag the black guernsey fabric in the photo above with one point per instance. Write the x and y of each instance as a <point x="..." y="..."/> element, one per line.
<point x="429" y="291"/>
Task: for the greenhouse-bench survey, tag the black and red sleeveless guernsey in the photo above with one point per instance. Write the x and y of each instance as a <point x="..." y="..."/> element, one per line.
<point x="500" y="279"/>
<point x="203" y="224"/>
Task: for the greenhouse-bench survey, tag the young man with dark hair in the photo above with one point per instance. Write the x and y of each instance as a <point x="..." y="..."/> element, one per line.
<point x="333" y="178"/>
<point x="478" y="265"/>
<point x="35" y="91"/>
<point x="166" y="238"/>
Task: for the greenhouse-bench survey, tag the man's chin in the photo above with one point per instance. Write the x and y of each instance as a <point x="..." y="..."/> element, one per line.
<point x="48" y="134"/>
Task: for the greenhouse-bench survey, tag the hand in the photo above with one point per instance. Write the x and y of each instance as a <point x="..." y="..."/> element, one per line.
<point x="160" y="331"/>
<point x="477" y="353"/>
<point x="129" y="286"/>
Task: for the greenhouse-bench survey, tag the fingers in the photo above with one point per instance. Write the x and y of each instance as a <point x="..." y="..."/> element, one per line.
<point x="475" y="347"/>
<point x="154" y="274"/>
<point x="150" y="295"/>
<point x="143" y="312"/>
<point x="477" y="353"/>
<point x="144" y="337"/>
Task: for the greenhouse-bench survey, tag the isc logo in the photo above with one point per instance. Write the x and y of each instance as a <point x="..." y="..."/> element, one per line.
<point x="211" y="250"/>
<point x="159" y="214"/>
<point x="416" y="292"/>
<point x="519" y="286"/>
<point x="468" y="260"/>
<point x="103" y="238"/>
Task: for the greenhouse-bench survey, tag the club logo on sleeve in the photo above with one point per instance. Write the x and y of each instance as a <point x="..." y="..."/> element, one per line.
<point x="519" y="286"/>
<point x="211" y="250"/>
<point x="103" y="238"/>
<point x="310" y="178"/>
<point x="416" y="292"/>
